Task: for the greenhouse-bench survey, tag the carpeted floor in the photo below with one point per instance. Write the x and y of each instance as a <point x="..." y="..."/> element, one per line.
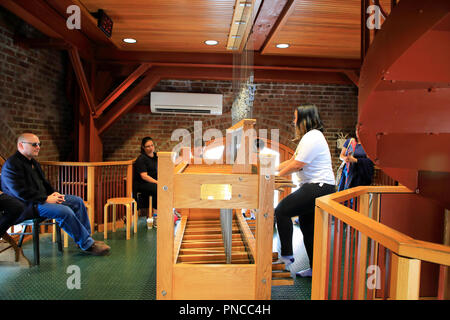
<point x="129" y="273"/>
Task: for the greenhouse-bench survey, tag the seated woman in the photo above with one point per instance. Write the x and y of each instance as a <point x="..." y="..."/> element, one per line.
<point x="312" y="163"/>
<point x="145" y="174"/>
<point x="358" y="169"/>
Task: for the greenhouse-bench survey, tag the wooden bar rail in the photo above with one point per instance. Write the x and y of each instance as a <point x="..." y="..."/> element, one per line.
<point x="94" y="182"/>
<point x="362" y="258"/>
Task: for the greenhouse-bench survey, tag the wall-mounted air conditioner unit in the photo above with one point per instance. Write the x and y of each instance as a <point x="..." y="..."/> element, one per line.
<point x="186" y="103"/>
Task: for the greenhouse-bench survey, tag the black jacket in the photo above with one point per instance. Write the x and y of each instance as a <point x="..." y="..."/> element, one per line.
<point x="17" y="180"/>
<point x="13" y="211"/>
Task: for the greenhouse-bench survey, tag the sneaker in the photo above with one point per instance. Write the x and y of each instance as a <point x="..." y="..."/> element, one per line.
<point x="98" y="249"/>
<point x="305" y="273"/>
<point x="287" y="260"/>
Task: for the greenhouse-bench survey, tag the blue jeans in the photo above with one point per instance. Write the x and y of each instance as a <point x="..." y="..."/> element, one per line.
<point x="71" y="215"/>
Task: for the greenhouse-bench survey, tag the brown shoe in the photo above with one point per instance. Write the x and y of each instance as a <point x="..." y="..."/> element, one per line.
<point x="98" y="249"/>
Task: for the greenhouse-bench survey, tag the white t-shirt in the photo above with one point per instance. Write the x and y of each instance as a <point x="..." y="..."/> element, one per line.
<point x="314" y="151"/>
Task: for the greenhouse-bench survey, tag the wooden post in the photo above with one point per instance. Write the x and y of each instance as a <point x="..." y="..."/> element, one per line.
<point x="444" y="281"/>
<point x="165" y="237"/>
<point x="91" y="194"/>
<point x="405" y="278"/>
<point x="320" y="267"/>
<point x="362" y="246"/>
<point x="264" y="232"/>
<point x="130" y="181"/>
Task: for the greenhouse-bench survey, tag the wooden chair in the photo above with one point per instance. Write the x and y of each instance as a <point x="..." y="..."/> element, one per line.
<point x="130" y="204"/>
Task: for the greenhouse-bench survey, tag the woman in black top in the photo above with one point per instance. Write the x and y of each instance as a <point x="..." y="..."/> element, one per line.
<point x="145" y="173"/>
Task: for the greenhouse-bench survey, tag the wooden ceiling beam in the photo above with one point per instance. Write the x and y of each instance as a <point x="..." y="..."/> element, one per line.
<point x="82" y="80"/>
<point x="88" y="22"/>
<point x="43" y="17"/>
<point x="281" y="21"/>
<point x="121" y="88"/>
<point x="151" y="78"/>
<point x="300" y="77"/>
<point x="224" y="60"/>
<point x="135" y="95"/>
<point x="266" y="21"/>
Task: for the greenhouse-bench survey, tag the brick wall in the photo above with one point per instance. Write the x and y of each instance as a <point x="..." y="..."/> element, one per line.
<point x="32" y="95"/>
<point x="273" y="108"/>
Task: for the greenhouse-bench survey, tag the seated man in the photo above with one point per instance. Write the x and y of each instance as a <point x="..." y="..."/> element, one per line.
<point x="22" y="178"/>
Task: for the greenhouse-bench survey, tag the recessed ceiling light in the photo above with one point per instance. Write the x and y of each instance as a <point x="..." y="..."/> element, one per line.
<point x="129" y="40"/>
<point x="282" y="45"/>
<point x="211" y="42"/>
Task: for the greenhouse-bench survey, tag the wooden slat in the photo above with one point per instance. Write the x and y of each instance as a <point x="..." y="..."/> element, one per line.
<point x="264" y="232"/>
<point x="165" y="237"/>
<point x="246" y="233"/>
<point x="320" y="257"/>
<point x="179" y="237"/>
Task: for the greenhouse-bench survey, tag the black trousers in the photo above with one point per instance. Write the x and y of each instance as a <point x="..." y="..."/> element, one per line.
<point x="300" y="203"/>
<point x="146" y="190"/>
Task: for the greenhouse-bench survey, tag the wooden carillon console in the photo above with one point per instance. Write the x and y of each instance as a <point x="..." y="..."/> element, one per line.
<point x="214" y="252"/>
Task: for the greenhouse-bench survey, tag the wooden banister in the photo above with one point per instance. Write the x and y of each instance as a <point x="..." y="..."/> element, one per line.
<point x="405" y="252"/>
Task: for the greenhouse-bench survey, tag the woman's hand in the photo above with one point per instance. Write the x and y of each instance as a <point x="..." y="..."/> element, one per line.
<point x="350" y="159"/>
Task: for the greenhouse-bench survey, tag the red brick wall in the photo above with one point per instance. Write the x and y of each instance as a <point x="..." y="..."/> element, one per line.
<point x="273" y="108"/>
<point x="32" y="95"/>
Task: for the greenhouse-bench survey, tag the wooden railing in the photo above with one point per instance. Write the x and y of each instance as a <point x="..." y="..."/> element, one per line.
<point x="356" y="257"/>
<point x="94" y="182"/>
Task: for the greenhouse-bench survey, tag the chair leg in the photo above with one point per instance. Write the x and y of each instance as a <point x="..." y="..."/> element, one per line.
<point x="35" y="232"/>
<point x="105" y="222"/>
<point x="135" y="215"/>
<point x="58" y="237"/>
<point x="22" y="236"/>
<point x="128" y="220"/>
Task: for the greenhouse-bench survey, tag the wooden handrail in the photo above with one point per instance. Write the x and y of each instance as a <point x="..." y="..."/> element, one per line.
<point x="242" y="124"/>
<point x="88" y="164"/>
<point x="395" y="241"/>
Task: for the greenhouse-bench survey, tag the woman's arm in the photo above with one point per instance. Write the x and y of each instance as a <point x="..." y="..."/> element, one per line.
<point x="291" y="166"/>
<point x="146" y="177"/>
<point x="284" y="164"/>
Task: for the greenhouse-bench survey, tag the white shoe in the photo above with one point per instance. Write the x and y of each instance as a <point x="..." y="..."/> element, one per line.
<point x="305" y="273"/>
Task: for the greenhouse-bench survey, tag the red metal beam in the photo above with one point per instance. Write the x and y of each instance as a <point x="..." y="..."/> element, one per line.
<point x="121" y="88"/>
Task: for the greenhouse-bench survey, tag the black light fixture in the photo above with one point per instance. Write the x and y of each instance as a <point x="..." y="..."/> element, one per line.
<point x="104" y="22"/>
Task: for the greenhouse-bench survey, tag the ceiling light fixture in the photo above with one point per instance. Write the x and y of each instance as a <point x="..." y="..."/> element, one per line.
<point x="211" y="42"/>
<point x="239" y="22"/>
<point x="282" y="45"/>
<point x="129" y="40"/>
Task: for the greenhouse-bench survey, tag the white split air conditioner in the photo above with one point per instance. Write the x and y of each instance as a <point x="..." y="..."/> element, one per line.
<point x="186" y="103"/>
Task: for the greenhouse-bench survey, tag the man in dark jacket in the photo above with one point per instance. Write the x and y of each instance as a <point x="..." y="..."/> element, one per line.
<point x="12" y="211"/>
<point x="22" y="178"/>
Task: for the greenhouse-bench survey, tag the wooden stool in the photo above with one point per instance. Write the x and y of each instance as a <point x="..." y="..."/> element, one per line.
<point x="131" y="204"/>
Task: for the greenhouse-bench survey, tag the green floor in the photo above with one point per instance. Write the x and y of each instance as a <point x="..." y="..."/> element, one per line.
<point x="129" y="273"/>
